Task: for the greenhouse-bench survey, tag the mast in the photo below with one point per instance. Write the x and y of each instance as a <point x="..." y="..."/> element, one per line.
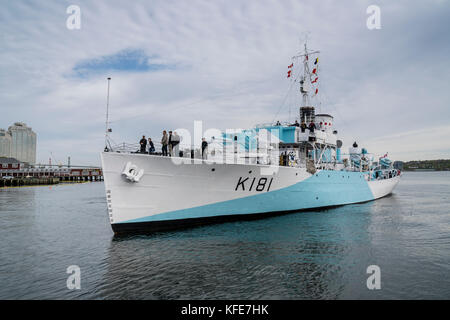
<point x="304" y="85"/>
<point x="305" y="81"/>
<point x="107" y="130"/>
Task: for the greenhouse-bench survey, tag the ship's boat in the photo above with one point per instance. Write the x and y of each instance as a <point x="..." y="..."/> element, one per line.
<point x="270" y="169"/>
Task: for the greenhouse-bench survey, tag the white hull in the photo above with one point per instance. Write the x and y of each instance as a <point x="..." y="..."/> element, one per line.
<point x="169" y="192"/>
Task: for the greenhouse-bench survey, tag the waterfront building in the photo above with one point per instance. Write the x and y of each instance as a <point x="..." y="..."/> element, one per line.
<point x="5" y="143"/>
<point x="23" y="143"/>
<point x="10" y="164"/>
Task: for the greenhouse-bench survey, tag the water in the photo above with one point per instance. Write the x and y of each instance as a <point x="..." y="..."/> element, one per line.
<point x="306" y="255"/>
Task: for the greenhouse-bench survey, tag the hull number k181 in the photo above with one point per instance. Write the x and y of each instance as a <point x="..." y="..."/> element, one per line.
<point x="263" y="184"/>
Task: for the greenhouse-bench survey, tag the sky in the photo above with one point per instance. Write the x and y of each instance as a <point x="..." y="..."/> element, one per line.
<point x="224" y="63"/>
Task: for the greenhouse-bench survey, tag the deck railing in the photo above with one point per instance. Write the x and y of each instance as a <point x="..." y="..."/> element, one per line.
<point x="125" y="147"/>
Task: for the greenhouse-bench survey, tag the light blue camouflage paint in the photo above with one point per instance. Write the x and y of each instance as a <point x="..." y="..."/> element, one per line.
<point x="324" y="189"/>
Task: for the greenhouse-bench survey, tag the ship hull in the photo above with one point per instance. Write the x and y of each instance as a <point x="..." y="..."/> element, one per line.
<point x="181" y="192"/>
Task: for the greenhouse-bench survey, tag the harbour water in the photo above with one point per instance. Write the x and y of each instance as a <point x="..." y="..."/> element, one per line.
<point x="306" y="255"/>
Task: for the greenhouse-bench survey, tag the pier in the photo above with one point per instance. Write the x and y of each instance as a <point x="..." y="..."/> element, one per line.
<point x="20" y="182"/>
<point x="49" y="174"/>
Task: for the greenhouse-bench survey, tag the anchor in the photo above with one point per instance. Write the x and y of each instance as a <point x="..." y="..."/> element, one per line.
<point x="131" y="172"/>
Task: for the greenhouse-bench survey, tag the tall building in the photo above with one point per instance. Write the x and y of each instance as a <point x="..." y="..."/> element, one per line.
<point x="5" y="143"/>
<point x="18" y="142"/>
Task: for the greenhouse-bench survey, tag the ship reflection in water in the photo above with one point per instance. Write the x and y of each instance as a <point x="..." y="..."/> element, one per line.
<point x="306" y="255"/>
<point x="292" y="256"/>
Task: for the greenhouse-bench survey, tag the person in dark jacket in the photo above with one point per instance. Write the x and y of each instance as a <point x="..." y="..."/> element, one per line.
<point x="170" y="144"/>
<point x="312" y="127"/>
<point x="164" y="142"/>
<point x="175" y="144"/>
<point x="151" y="146"/>
<point x="303" y="126"/>
<point x="143" y="144"/>
<point x="204" y="149"/>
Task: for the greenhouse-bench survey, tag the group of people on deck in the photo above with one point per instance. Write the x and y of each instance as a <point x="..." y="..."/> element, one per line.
<point x="143" y="144"/>
<point x="169" y="144"/>
<point x="311" y="126"/>
<point x="303" y="126"/>
<point x="170" y="141"/>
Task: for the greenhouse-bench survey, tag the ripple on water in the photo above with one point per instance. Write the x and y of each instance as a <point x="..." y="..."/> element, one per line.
<point x="307" y="255"/>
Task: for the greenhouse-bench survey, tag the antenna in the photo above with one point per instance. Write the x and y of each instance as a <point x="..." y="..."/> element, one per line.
<point x="107" y="130"/>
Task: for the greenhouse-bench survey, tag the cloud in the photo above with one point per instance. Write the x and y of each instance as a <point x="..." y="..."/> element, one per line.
<point x="130" y="60"/>
<point x="427" y="143"/>
<point x="224" y="63"/>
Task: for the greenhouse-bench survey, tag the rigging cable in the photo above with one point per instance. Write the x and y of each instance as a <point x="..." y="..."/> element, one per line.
<point x="286" y="96"/>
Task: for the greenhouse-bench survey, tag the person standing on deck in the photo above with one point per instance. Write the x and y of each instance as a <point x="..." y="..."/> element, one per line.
<point x="164" y="142"/>
<point x="175" y="144"/>
<point x="170" y="144"/>
<point x="151" y="146"/>
<point x="204" y="149"/>
<point x="303" y="126"/>
<point x="143" y="144"/>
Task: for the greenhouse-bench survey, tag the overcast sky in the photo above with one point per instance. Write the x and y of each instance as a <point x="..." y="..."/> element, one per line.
<point x="225" y="63"/>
